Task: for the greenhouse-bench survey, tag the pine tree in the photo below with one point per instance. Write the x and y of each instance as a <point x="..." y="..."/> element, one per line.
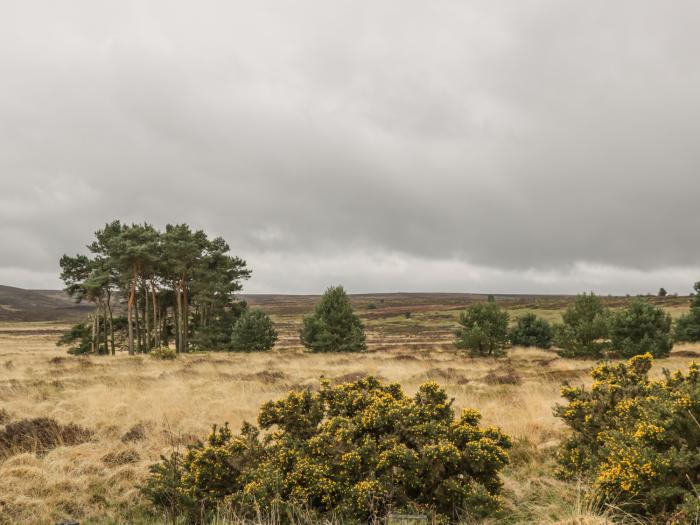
<point x="253" y="332"/>
<point x="483" y="329"/>
<point x="333" y="327"/>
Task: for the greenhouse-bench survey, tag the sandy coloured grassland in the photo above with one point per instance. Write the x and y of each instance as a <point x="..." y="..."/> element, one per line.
<point x="177" y="401"/>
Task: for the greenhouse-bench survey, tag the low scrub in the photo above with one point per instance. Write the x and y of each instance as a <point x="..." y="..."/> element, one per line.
<point x="354" y="452"/>
<point x="163" y="353"/>
<point x="483" y="330"/>
<point x="253" y="332"/>
<point x="640" y="328"/>
<point x="636" y="440"/>
<point x="585" y="330"/>
<point x="530" y="330"/>
<point x="39" y="435"/>
<point x="688" y="326"/>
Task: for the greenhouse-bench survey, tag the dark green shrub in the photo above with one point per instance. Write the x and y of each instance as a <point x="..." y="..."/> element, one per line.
<point x="253" y="332"/>
<point x="530" y="330"/>
<point x="371" y="306"/>
<point x="636" y="439"/>
<point x="584" y="332"/>
<point x="483" y="329"/>
<point x="640" y="328"/>
<point x="688" y="326"/>
<point x="333" y="327"/>
<point x="355" y="451"/>
<point x="78" y="338"/>
<point x="216" y="333"/>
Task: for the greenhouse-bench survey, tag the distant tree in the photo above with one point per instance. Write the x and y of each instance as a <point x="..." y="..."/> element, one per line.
<point x="333" y="327"/>
<point x="491" y="299"/>
<point x="640" y="328"/>
<point x="662" y="292"/>
<point x="530" y="330"/>
<point x="253" y="332"/>
<point x="687" y="327"/>
<point x="371" y="306"/>
<point x="483" y="329"/>
<point x="584" y="332"/>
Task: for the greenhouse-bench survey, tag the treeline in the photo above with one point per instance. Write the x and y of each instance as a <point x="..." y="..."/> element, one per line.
<point x="589" y="329"/>
<point x="177" y="285"/>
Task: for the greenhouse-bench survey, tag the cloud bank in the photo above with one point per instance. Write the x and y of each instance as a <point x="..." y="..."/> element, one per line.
<point x="531" y="146"/>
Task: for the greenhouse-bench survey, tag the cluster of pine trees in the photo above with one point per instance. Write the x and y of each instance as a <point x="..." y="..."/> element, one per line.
<point x="176" y="284"/>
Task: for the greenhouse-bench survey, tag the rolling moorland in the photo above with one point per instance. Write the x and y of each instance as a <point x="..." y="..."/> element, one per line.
<point x="138" y="408"/>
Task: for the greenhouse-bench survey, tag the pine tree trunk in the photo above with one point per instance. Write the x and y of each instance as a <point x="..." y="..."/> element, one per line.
<point x="145" y="317"/>
<point x="156" y="341"/>
<point x="178" y="320"/>
<point x="94" y="329"/>
<point x="104" y="327"/>
<point x="130" y="314"/>
<point x="183" y="314"/>
<point x="111" y="322"/>
<point x="139" y="347"/>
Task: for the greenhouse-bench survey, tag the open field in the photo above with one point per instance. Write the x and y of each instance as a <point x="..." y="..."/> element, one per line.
<point x="177" y="401"/>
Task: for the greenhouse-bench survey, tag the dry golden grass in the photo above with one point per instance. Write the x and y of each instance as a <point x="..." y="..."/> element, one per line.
<point x="97" y="482"/>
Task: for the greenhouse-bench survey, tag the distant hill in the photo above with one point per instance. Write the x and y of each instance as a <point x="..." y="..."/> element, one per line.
<point x="17" y="304"/>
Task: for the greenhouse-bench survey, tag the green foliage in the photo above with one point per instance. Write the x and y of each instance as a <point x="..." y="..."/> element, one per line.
<point x="640" y="328"/>
<point x="483" y="329"/>
<point x="176" y="281"/>
<point x="636" y="439"/>
<point x="584" y="332"/>
<point x="530" y="330"/>
<point x="192" y="484"/>
<point x="163" y="353"/>
<point x="214" y="333"/>
<point x="253" y="332"/>
<point x="333" y="327"/>
<point x="662" y="292"/>
<point x="688" y="326"/>
<point x="78" y="339"/>
<point x="355" y="451"/>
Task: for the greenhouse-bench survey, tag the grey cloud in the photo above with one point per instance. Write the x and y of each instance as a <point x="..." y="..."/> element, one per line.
<point x="534" y="145"/>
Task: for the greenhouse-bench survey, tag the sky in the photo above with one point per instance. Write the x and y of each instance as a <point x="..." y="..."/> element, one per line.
<point x="491" y="146"/>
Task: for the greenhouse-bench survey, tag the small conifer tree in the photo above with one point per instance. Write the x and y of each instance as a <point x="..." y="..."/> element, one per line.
<point x="333" y="326"/>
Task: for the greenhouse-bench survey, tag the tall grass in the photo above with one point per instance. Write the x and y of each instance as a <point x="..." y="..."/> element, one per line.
<point x="97" y="481"/>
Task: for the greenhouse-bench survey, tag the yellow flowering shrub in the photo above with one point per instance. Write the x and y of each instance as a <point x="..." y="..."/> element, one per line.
<point x="636" y="440"/>
<point x="355" y="451"/>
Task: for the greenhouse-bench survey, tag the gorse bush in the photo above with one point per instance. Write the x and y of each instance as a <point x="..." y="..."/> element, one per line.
<point x="584" y="332"/>
<point x="253" y="332"/>
<point x="483" y="329"/>
<point x="354" y="451"/>
<point x="530" y="330"/>
<point x="333" y="326"/>
<point x="640" y="328"/>
<point x="635" y="439"/>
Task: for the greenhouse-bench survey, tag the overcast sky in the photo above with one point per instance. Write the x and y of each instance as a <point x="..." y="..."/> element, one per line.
<point x="485" y="146"/>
